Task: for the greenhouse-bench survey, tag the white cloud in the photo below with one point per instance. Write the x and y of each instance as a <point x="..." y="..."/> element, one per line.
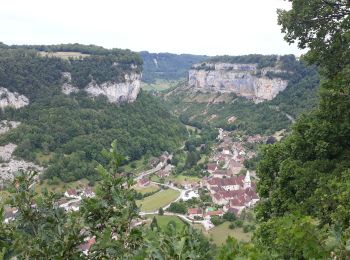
<point x="191" y="26"/>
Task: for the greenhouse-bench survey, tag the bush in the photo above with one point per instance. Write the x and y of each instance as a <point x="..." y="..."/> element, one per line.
<point x="160" y="211"/>
<point x="229" y="216"/>
<point x="246" y="229"/>
<point x="216" y="220"/>
<point x="232" y="226"/>
<point x="178" y="207"/>
<point x="239" y="223"/>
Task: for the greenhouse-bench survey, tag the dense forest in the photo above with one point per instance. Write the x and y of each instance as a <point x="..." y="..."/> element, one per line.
<point x="27" y="71"/>
<point x="167" y="66"/>
<point x="261" y="60"/>
<point x="304" y="181"/>
<point x="263" y="118"/>
<point x="72" y="130"/>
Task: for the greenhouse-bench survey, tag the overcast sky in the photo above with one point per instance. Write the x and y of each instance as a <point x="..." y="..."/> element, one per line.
<point x="212" y="27"/>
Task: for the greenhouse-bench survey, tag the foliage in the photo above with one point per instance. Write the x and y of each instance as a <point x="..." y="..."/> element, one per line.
<point x="167" y="66"/>
<point x="304" y="180"/>
<point x="229" y="216"/>
<point x="216" y="220"/>
<point x="185" y="244"/>
<point x="263" y="118"/>
<point x="321" y="26"/>
<point x="178" y="207"/>
<point x="261" y="60"/>
<point x="76" y="130"/>
<point x="292" y="237"/>
<point x="42" y="230"/>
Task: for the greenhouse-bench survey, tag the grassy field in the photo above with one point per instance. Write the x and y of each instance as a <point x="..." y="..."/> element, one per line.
<point x="140" y="166"/>
<point x="160" y="85"/>
<point x="164" y="220"/>
<point x="182" y="178"/>
<point x="220" y="233"/>
<point x="61" y="187"/>
<point x="149" y="188"/>
<point x="158" y="200"/>
<point x="179" y="179"/>
<point x="63" y="54"/>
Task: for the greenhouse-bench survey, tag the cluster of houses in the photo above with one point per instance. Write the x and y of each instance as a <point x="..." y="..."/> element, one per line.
<point x="228" y="189"/>
<point x="72" y="198"/>
<point x="234" y="194"/>
<point x="206" y="214"/>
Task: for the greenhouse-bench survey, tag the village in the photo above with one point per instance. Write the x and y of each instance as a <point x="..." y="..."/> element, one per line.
<point x="227" y="187"/>
<point x="230" y="186"/>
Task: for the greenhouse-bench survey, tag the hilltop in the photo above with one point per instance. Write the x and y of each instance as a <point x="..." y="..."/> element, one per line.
<point x="71" y="101"/>
<point x="255" y="93"/>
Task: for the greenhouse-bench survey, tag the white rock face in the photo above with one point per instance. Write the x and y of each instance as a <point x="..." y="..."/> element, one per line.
<point x="6" y="126"/>
<point x="11" y="165"/>
<point x="242" y="79"/>
<point x="12" y="99"/>
<point x="126" y="91"/>
<point x="117" y="92"/>
<point x="67" y="87"/>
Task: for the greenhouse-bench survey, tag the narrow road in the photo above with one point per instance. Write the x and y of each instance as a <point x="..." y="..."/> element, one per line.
<point x="149" y="172"/>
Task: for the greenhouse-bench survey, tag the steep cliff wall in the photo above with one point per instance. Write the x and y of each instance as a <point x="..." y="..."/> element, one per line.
<point x="242" y="79"/>
<point x="12" y="99"/>
<point x="116" y="92"/>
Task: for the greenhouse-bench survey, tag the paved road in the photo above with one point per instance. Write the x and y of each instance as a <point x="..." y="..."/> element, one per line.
<point x="151" y="171"/>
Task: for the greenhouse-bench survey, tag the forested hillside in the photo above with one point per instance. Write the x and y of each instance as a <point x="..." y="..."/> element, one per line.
<point x="304" y="180"/>
<point x="231" y="112"/>
<point x="70" y="131"/>
<point x="167" y="66"/>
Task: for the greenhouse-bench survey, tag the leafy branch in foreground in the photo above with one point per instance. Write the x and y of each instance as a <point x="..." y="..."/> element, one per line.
<point x="43" y="230"/>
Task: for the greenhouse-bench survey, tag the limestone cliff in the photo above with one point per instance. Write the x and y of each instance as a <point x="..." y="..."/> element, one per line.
<point x="12" y="99"/>
<point x="245" y="80"/>
<point x="116" y="92"/>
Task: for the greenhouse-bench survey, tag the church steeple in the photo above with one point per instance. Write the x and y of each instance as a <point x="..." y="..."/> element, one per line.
<point x="247" y="181"/>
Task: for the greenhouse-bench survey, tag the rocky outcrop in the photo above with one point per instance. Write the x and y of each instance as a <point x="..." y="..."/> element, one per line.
<point x="6" y="126"/>
<point x="11" y="166"/>
<point x="12" y="99"/>
<point x="67" y="87"/>
<point x="116" y="92"/>
<point x="245" y="80"/>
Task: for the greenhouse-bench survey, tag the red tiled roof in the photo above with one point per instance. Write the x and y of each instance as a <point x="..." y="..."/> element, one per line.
<point x="72" y="192"/>
<point x="194" y="211"/>
<point x="211" y="167"/>
<point x="233" y="210"/>
<point x="235" y="180"/>
<point x="88" y="244"/>
<point x="236" y="202"/>
<point x="214" y="213"/>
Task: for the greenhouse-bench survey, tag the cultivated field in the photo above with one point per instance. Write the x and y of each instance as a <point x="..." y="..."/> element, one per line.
<point x="64" y="55"/>
<point x="220" y="233"/>
<point x="149" y="188"/>
<point x="158" y="200"/>
<point x="164" y="220"/>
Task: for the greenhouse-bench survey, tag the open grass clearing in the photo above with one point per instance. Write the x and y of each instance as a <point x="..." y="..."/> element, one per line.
<point x="157" y="200"/>
<point x="64" y="54"/>
<point x="220" y="233"/>
<point x="160" y="85"/>
<point x="61" y="187"/>
<point x="164" y="220"/>
<point x="180" y="179"/>
<point x="147" y="189"/>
